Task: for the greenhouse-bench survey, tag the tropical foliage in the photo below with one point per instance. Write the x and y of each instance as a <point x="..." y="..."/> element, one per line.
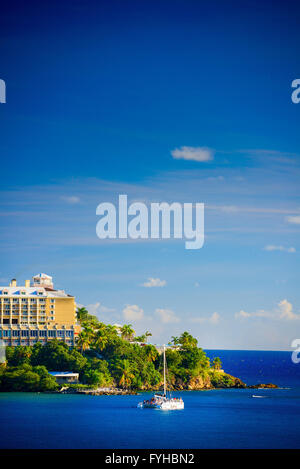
<point x="108" y="355"/>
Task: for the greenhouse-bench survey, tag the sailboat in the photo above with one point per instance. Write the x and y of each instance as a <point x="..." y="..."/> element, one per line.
<point x="163" y="401"/>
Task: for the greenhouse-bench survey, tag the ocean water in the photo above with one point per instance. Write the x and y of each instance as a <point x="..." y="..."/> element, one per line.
<point x="211" y="419"/>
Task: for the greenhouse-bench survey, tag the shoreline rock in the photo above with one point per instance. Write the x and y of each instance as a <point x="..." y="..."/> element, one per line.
<point x="98" y="392"/>
<point x="198" y="383"/>
<point x="263" y="386"/>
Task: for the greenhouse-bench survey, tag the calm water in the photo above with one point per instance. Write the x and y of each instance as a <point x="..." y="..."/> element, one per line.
<point x="211" y="419"/>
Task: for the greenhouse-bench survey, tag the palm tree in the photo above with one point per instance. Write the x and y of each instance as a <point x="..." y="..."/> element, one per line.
<point x="217" y="364"/>
<point x="84" y="340"/>
<point x="187" y="340"/>
<point x="151" y="353"/>
<point x="147" y="334"/>
<point x="175" y="340"/>
<point x="111" y="330"/>
<point x="126" y="374"/>
<point x="101" y="339"/>
<point x="82" y="314"/>
<point x="127" y="332"/>
<point x="140" y="338"/>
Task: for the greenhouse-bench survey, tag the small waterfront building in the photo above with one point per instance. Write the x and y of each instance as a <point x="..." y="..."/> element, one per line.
<point x="63" y="377"/>
<point x="37" y="312"/>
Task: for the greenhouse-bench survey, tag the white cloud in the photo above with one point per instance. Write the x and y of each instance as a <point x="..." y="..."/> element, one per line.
<point x="214" y="318"/>
<point x="72" y="199"/>
<point x="237" y="209"/>
<point x="295" y="220"/>
<point x="242" y="314"/>
<point x="167" y="315"/>
<point x="271" y="247"/>
<point x="133" y="313"/>
<point x="286" y="311"/>
<point x="215" y="178"/>
<point x="97" y="308"/>
<point x="154" y="282"/>
<point x="261" y="313"/>
<point x="193" y="153"/>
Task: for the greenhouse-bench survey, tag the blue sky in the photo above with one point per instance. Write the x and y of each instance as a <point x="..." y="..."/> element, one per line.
<point x="99" y="95"/>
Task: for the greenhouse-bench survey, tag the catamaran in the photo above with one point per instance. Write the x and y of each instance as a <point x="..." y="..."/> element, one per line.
<point x="163" y="401"/>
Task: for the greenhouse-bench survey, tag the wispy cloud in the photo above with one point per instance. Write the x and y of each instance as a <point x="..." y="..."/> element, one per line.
<point x="193" y="153"/>
<point x="214" y="318"/>
<point x="261" y="313"/>
<point x="271" y="247"/>
<point x="72" y="199"/>
<point x="267" y="210"/>
<point x="154" y="282"/>
<point x="275" y="155"/>
<point x="167" y="315"/>
<point x="133" y="313"/>
<point x="284" y="311"/>
<point x="97" y="308"/>
<point x="294" y="220"/>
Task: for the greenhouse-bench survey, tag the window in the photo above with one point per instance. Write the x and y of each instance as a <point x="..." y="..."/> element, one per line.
<point x="6" y="333"/>
<point x="51" y="333"/>
<point x="16" y="333"/>
<point x="24" y="333"/>
<point x="33" y="333"/>
<point x="69" y="333"/>
<point x="60" y="333"/>
<point x="43" y="333"/>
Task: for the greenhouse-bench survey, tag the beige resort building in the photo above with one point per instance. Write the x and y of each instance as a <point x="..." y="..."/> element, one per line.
<point x="36" y="312"/>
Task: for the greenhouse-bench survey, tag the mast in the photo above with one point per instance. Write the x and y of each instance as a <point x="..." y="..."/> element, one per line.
<point x="165" y="370"/>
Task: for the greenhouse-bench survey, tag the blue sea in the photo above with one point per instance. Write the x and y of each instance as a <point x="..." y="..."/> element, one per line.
<point x="231" y="418"/>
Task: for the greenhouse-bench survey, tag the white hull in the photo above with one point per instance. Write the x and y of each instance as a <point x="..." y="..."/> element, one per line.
<point x="163" y="404"/>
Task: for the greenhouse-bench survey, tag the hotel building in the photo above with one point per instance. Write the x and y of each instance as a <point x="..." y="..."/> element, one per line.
<point x="36" y="312"/>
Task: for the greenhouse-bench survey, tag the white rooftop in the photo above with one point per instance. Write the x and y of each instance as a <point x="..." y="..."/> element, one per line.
<point x="33" y="291"/>
<point x="42" y="276"/>
<point x="63" y="373"/>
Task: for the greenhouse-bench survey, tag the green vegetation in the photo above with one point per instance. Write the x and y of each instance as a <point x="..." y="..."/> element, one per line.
<point x="26" y="378"/>
<point x="107" y="357"/>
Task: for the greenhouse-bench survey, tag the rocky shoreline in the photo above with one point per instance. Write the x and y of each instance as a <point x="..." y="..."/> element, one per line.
<point x="98" y="391"/>
<point x="197" y="384"/>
